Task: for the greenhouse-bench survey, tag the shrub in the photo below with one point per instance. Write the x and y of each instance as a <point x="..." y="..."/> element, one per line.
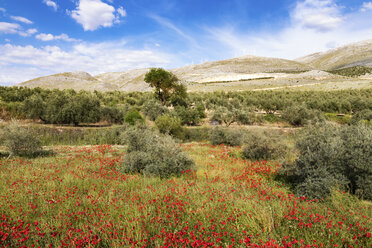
<point x="271" y="118"/>
<point x="19" y="140"/>
<point x="153" y="109"/>
<point x="170" y="125"/>
<point x="231" y="137"/>
<point x="197" y="134"/>
<point x="243" y="117"/>
<point x="362" y="116"/>
<point x="133" y="117"/>
<point x="154" y="154"/>
<point x="332" y="156"/>
<point x="189" y="116"/>
<point x="113" y="115"/>
<point x="300" y="115"/>
<point x="224" y="115"/>
<point x="259" y="145"/>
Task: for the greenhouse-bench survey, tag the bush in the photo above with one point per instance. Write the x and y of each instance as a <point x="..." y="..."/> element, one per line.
<point x="154" y="154"/>
<point x="362" y="116"/>
<point x="231" y="137"/>
<point x="133" y="117"/>
<point x="114" y="115"/>
<point x="259" y="145"/>
<point x="170" y="125"/>
<point x="189" y="116"/>
<point x="332" y="156"/>
<point x="197" y="134"/>
<point x="153" y="109"/>
<point x="19" y="140"/>
<point x="224" y="115"/>
<point x="300" y="115"/>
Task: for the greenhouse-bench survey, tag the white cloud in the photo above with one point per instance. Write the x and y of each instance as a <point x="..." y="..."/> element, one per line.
<point x="168" y="24"/>
<point x="32" y="30"/>
<point x="14" y="28"/>
<point x="50" y="37"/>
<point x="122" y="11"/>
<point x="28" y="32"/>
<point x="90" y="57"/>
<point x="51" y="4"/>
<point x="320" y="15"/>
<point x="2" y="10"/>
<point x="9" y="28"/>
<point x="366" y="6"/>
<point x="21" y="19"/>
<point x="298" y="38"/>
<point x="92" y="14"/>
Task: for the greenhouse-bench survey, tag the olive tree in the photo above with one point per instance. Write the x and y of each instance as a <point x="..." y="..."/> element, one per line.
<point x="166" y="85"/>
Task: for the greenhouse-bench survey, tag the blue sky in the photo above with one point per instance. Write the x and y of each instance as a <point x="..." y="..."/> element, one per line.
<point x="43" y="37"/>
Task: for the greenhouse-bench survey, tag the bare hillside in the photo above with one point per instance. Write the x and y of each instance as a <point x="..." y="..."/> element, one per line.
<point x="132" y="80"/>
<point x="356" y="54"/>
<point x="246" y="72"/>
<point x="238" y="66"/>
<point x="77" y="80"/>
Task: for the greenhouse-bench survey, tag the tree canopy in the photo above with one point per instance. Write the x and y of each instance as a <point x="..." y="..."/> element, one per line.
<point x="166" y="85"/>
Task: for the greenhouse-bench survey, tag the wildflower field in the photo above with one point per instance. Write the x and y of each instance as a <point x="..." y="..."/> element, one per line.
<point x="79" y="198"/>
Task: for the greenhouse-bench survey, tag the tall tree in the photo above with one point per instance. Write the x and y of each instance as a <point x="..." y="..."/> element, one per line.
<point x="166" y="84"/>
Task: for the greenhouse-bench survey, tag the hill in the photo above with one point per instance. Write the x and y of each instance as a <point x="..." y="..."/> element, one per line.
<point x="77" y="80"/>
<point x="355" y="54"/>
<point x="242" y="73"/>
<point x="247" y="67"/>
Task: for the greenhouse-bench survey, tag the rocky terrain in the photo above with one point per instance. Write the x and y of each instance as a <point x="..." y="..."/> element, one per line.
<point x="246" y="72"/>
<point x="355" y="54"/>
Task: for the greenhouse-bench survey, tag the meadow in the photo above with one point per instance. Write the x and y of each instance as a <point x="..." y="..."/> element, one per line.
<point x="80" y="198"/>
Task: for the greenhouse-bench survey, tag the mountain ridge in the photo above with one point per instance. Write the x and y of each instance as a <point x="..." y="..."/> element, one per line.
<point x="241" y="68"/>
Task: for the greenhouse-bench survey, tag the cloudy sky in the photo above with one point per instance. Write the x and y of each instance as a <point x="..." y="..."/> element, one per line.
<point x="43" y="37"/>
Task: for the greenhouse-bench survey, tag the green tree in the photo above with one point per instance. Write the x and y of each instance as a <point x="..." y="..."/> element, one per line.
<point x="166" y="85"/>
<point x="34" y="107"/>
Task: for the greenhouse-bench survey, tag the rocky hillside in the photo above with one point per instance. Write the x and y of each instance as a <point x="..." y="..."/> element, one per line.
<point x="355" y="54"/>
<point x="77" y="80"/>
<point x="247" y="69"/>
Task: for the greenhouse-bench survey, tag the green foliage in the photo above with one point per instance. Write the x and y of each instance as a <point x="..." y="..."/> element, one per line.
<point x="67" y="107"/>
<point x="19" y="140"/>
<point x="190" y="116"/>
<point x="263" y="146"/>
<point x="153" y="154"/>
<point x="271" y="118"/>
<point x="332" y="156"/>
<point x="231" y="137"/>
<point x="166" y="86"/>
<point x="300" y="115"/>
<point x="83" y="108"/>
<point x="244" y="117"/>
<point x="153" y="109"/>
<point x="224" y="115"/>
<point x="341" y="119"/>
<point x="113" y="115"/>
<point x="133" y="117"/>
<point x="354" y="71"/>
<point x="362" y="116"/>
<point x="196" y="134"/>
<point x="168" y="124"/>
<point x="34" y="107"/>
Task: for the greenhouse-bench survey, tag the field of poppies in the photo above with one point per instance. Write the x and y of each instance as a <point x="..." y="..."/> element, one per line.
<point x="78" y="198"/>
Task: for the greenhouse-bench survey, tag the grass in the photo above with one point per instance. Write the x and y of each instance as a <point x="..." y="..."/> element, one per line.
<point x="341" y="119"/>
<point x="79" y="199"/>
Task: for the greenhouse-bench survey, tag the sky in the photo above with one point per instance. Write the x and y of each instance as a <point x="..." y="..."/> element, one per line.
<point x="43" y="37"/>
